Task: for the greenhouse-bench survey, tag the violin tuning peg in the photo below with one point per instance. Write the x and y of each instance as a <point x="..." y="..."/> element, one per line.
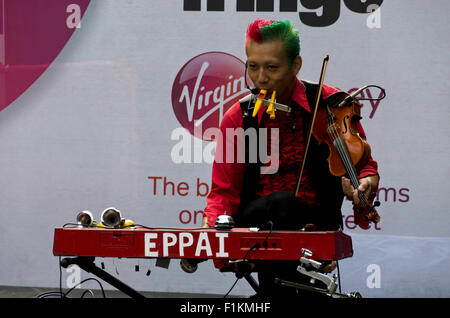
<point x="376" y="203"/>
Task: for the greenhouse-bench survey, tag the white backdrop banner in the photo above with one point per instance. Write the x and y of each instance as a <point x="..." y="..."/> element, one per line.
<point x="108" y="103"/>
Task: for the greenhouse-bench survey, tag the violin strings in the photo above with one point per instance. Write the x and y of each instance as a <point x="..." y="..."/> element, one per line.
<point x="345" y="157"/>
<point x="342" y="150"/>
<point x="350" y="169"/>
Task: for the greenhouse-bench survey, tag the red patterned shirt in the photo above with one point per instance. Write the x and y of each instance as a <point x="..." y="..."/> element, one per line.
<point x="291" y="149"/>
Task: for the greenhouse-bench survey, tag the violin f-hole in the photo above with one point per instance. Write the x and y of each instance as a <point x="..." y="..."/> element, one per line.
<point x="345" y="124"/>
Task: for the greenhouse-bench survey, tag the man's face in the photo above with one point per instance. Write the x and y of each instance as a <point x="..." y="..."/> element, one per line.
<point x="269" y="69"/>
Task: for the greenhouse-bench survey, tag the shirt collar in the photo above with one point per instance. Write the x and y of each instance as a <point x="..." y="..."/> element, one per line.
<point x="299" y="95"/>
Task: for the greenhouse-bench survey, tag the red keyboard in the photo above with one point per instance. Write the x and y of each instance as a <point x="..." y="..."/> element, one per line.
<point x="198" y="243"/>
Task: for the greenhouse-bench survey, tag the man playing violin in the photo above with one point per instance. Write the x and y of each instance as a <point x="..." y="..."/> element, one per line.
<point x="252" y="197"/>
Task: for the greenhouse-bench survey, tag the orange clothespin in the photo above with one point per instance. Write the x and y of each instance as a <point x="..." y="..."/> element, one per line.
<point x="271" y="109"/>
<point x="259" y="101"/>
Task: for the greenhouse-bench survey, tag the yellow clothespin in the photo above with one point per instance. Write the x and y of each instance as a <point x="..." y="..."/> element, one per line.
<point x="271" y="109"/>
<point x="259" y="101"/>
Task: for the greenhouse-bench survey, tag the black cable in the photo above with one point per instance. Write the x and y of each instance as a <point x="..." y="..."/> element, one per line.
<point x="74" y="224"/>
<point x="339" y="277"/>
<point x="234" y="284"/>
<point x="378" y="98"/>
<point x="137" y="225"/>
<point x="64" y="295"/>
<point x="170" y="228"/>
<point x="60" y="278"/>
<point x="270" y="231"/>
<point x="255" y="245"/>
<point x="50" y="294"/>
<point x="85" y="280"/>
<point x="254" y="91"/>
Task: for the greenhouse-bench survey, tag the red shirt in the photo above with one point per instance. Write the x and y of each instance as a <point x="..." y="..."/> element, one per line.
<point x="227" y="175"/>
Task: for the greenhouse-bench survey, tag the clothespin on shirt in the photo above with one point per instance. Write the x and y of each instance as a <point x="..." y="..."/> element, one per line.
<point x="271" y="109"/>
<point x="259" y="100"/>
<point x="272" y="105"/>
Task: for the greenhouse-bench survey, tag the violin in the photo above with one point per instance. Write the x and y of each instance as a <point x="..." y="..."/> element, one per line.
<point x="349" y="152"/>
<point x="336" y="125"/>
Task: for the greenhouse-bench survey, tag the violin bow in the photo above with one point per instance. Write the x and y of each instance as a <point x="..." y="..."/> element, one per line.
<point x="316" y="106"/>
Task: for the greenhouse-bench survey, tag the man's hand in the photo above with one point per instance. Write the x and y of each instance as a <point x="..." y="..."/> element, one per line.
<point x="205" y="222"/>
<point x="366" y="185"/>
<point x="329" y="267"/>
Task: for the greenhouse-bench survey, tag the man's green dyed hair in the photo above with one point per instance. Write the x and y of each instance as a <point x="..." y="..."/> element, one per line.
<point x="270" y="30"/>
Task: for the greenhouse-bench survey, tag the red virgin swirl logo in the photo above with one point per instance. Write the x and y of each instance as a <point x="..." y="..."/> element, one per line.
<point x="205" y="88"/>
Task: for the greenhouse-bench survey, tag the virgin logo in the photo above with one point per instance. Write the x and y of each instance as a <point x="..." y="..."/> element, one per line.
<point x="205" y="88"/>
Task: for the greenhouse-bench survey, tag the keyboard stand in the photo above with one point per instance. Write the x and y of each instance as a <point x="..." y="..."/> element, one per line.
<point x="88" y="265"/>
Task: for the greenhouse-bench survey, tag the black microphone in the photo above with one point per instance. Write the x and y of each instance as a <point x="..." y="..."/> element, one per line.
<point x="254" y="91"/>
<point x="350" y="98"/>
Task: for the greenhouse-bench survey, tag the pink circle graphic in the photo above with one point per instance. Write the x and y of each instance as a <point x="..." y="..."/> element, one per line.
<point x="32" y="34"/>
<point x="205" y="88"/>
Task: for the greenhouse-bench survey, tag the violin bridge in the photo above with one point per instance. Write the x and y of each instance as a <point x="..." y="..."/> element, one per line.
<point x="333" y="129"/>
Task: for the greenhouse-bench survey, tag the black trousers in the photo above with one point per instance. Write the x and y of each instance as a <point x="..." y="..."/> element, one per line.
<point x="286" y="213"/>
<point x="282" y="208"/>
